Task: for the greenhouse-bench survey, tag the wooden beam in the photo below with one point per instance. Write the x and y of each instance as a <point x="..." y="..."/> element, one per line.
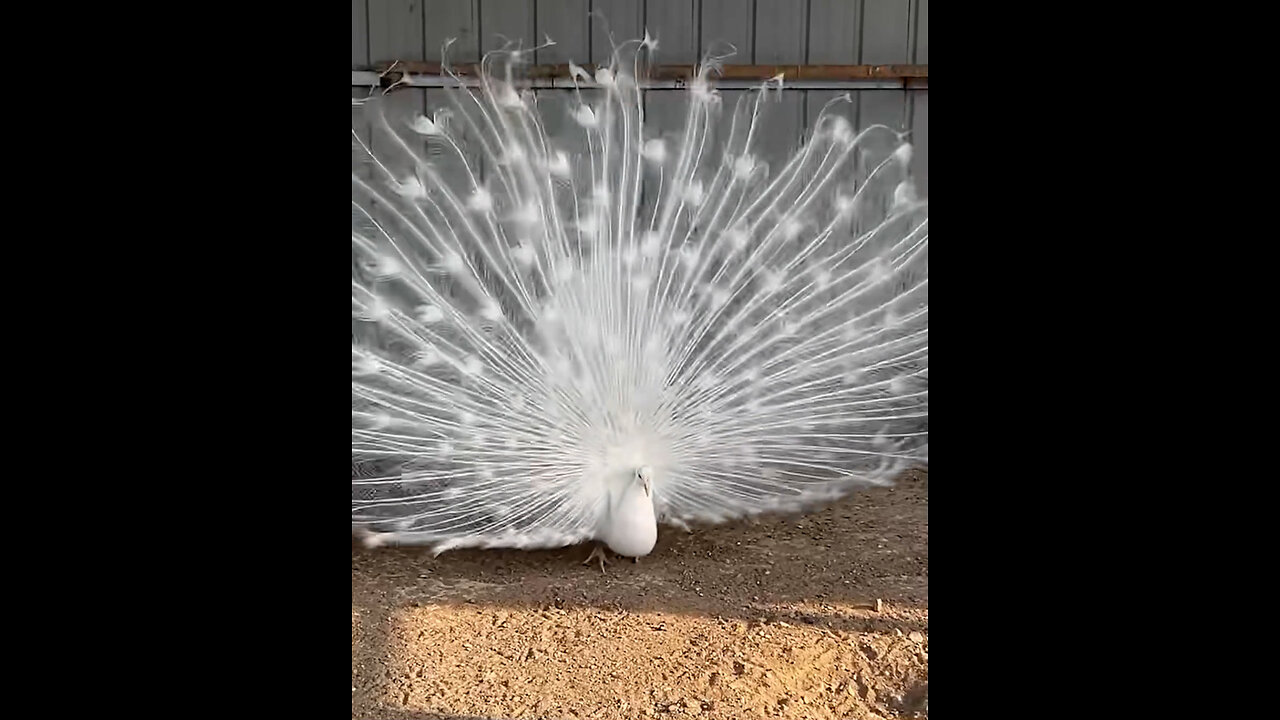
<point x="910" y="76"/>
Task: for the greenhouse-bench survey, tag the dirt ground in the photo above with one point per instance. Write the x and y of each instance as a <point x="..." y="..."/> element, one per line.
<point x="768" y="618"/>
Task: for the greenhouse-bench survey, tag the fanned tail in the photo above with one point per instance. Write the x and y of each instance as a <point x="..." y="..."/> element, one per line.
<point x="535" y="310"/>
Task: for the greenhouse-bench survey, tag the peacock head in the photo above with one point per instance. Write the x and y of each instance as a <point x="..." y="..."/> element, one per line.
<point x="644" y="476"/>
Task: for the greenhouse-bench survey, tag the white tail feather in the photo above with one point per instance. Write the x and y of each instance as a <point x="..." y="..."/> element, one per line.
<point x="533" y="313"/>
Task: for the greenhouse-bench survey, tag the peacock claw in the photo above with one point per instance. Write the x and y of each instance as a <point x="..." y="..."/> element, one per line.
<point x="597" y="553"/>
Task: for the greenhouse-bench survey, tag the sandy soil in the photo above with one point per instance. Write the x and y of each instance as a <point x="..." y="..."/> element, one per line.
<point x="771" y="618"/>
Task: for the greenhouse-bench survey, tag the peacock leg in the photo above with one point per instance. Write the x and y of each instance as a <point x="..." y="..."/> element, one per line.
<point x="597" y="553"/>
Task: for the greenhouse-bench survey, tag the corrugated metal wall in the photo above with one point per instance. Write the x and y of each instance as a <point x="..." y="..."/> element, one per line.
<point x="843" y="32"/>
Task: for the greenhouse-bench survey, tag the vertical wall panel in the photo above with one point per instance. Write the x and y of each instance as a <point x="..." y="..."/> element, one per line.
<point x="886" y="40"/>
<point x="395" y="31"/>
<point x="920" y="101"/>
<point x="781" y="29"/>
<point x="728" y="26"/>
<point x="762" y="31"/>
<point x="457" y="19"/>
<point x="835" y="31"/>
<point x="725" y="34"/>
<point x="885" y="31"/>
<point x="675" y="25"/>
<point x="727" y="31"/>
<point x="624" y="19"/>
<point x="780" y="39"/>
<point x="503" y="21"/>
<point x="835" y="38"/>
<point x="920" y="138"/>
<point x="922" y="33"/>
<point x="359" y="34"/>
<point x="568" y="24"/>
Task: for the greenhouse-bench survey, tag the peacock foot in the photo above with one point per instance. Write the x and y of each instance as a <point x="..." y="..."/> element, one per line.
<point x="597" y="553"/>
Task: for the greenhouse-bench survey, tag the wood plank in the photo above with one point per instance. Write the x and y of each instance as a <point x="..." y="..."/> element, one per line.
<point x="727" y="72"/>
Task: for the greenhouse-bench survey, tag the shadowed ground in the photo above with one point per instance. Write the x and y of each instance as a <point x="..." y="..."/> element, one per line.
<point x="768" y="618"/>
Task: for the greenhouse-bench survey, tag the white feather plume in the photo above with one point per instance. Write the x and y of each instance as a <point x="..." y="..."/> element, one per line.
<point x="535" y="314"/>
